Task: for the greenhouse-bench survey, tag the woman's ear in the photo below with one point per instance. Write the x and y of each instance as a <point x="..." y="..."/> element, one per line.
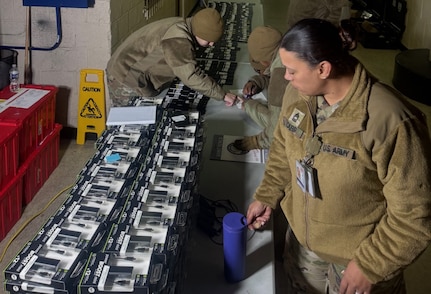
<point x="325" y="69"/>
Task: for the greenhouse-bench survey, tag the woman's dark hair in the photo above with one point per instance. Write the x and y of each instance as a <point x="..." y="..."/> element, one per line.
<point x="316" y="40"/>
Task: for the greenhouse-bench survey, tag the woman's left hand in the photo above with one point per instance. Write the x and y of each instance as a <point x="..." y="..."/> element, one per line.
<point x="354" y="281"/>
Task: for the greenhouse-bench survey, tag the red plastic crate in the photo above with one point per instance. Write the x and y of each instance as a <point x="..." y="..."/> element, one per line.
<point x="40" y="164"/>
<point x="9" y="149"/>
<point x="11" y="204"/>
<point x="37" y="121"/>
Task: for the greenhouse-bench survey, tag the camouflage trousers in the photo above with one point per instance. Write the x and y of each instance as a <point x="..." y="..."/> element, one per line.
<point x="306" y="273"/>
<point x="120" y="94"/>
<point x="123" y="95"/>
<point x="266" y="116"/>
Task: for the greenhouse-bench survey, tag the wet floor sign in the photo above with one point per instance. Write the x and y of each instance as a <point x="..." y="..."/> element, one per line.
<point x="91" y="106"/>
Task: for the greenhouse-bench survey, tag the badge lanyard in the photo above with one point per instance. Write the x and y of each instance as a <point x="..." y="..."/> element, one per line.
<point x="312" y="148"/>
<point x="306" y="174"/>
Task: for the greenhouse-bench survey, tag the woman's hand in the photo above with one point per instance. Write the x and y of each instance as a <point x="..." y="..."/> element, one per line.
<point x="258" y="214"/>
<point x="354" y="281"/>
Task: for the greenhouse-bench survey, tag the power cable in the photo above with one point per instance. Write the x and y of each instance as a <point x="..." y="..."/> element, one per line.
<point x="16" y="234"/>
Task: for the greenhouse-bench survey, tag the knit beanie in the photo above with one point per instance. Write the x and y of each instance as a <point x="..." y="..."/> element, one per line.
<point x="263" y="42"/>
<point x="207" y="24"/>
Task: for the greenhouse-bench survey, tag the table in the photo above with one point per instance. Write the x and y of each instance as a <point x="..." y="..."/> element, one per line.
<point x="236" y="181"/>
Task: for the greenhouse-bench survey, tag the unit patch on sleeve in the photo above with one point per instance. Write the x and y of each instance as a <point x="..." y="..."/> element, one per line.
<point x="296" y="117"/>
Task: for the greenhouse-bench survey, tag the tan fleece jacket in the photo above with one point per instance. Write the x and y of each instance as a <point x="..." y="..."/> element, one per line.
<point x="159" y="52"/>
<point x="373" y="172"/>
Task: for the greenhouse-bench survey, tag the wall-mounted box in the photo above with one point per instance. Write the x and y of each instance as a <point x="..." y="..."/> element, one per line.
<point x="60" y="3"/>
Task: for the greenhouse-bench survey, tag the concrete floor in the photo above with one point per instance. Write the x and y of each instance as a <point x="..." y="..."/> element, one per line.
<point x="73" y="157"/>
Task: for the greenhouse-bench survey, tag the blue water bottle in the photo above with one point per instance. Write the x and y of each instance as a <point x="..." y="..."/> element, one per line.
<point x="234" y="246"/>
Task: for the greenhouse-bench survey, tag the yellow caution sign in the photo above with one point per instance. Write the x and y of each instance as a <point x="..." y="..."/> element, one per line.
<point x="91" y="105"/>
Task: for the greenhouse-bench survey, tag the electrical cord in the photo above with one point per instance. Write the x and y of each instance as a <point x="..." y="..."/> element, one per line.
<point x="210" y="217"/>
<point x="31" y="219"/>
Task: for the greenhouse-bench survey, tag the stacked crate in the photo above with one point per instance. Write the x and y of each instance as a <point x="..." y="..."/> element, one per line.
<point x="29" y="143"/>
<point x="10" y="180"/>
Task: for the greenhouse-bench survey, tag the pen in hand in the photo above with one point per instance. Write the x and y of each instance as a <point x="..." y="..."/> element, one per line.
<point x="251" y="92"/>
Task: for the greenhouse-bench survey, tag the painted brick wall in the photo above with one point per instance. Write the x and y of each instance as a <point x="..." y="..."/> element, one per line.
<point x="88" y="37"/>
<point x="85" y="43"/>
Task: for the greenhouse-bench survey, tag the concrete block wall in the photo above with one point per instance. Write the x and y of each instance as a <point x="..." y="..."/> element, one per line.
<point x="88" y="38"/>
<point x="85" y="43"/>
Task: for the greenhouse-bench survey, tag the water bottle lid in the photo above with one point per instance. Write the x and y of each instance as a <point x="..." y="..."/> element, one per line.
<point x="234" y="221"/>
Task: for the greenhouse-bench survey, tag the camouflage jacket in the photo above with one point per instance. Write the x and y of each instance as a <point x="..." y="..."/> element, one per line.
<point x="372" y="172"/>
<point x="159" y="52"/>
<point x="266" y="114"/>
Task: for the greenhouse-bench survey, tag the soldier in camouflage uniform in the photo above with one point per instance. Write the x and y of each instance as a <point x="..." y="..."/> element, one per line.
<point x="263" y="45"/>
<point x="350" y="167"/>
<point x="153" y="56"/>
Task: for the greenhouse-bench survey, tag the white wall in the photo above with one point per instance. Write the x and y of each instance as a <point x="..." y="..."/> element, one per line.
<point x="89" y="37"/>
<point x="85" y="43"/>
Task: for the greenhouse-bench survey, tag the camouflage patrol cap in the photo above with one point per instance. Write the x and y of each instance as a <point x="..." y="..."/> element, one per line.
<point x="263" y="42"/>
<point x="207" y="24"/>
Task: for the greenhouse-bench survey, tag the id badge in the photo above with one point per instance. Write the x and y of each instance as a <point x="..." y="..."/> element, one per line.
<point x="312" y="185"/>
<point x="301" y="178"/>
<point x="306" y="178"/>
